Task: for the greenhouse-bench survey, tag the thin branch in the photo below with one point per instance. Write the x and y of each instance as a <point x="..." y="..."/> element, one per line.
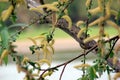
<point x="62" y="72"/>
<point x="67" y="5"/>
<point x="112" y="48"/>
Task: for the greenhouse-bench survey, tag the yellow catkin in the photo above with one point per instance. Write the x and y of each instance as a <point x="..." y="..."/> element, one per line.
<point x="99" y="20"/>
<point x="55" y="3"/>
<point x="47" y="73"/>
<point x="68" y="19"/>
<point x="79" y="23"/>
<point x="82" y="66"/>
<point x="52" y="42"/>
<point x="6" y="13"/>
<point x="115" y="59"/>
<point x="37" y="10"/>
<point x="87" y="3"/>
<point x="113" y="24"/>
<point x="26" y="59"/>
<point x="113" y="12"/>
<point x="54" y="19"/>
<point x="91" y="38"/>
<point x="45" y="61"/>
<point x="94" y="11"/>
<point x="80" y="32"/>
<point x="100" y="4"/>
<point x="66" y="12"/>
<point x="108" y="12"/>
<point x="35" y="75"/>
<point x="39" y="37"/>
<point x="4" y="53"/>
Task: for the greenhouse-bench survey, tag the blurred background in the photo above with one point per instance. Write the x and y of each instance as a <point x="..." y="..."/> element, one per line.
<point x="65" y="47"/>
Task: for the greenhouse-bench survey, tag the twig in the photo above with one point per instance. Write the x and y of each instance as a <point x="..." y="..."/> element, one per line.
<point x="24" y="27"/>
<point x="112" y="48"/>
<point x="62" y="71"/>
<point x="67" y="5"/>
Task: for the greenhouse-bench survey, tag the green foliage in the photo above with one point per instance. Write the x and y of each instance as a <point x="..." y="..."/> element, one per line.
<point x="91" y="73"/>
<point x="4" y="41"/>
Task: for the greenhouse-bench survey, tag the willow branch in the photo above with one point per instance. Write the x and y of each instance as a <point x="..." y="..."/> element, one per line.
<point x="63" y="25"/>
<point x="62" y="72"/>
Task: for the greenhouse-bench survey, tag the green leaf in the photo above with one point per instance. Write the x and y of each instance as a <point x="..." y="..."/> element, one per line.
<point x="91" y="73"/>
<point x="13" y="17"/>
<point x="96" y="66"/>
<point x="108" y="70"/>
<point x="4" y="34"/>
<point x="83" y="78"/>
<point x="32" y="48"/>
<point x="18" y="25"/>
<point x="6" y="60"/>
<point x="111" y="54"/>
<point x="4" y="37"/>
<point x="44" y="33"/>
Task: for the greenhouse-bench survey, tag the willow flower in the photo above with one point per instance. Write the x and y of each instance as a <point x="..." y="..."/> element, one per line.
<point x="66" y="12"/>
<point x="48" y="73"/>
<point x="95" y="10"/>
<point x="113" y="12"/>
<point x="81" y="32"/>
<point x="100" y="4"/>
<point x="99" y="20"/>
<point x="91" y="38"/>
<point x="4" y="53"/>
<point x="79" y="23"/>
<point x="88" y="3"/>
<point x="68" y="19"/>
<point x="55" y="3"/>
<point x="42" y="61"/>
<point x="6" y="13"/>
<point x="26" y="59"/>
<point x="108" y="12"/>
<point x="82" y="66"/>
<point x="54" y="19"/>
<point x="36" y="10"/>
